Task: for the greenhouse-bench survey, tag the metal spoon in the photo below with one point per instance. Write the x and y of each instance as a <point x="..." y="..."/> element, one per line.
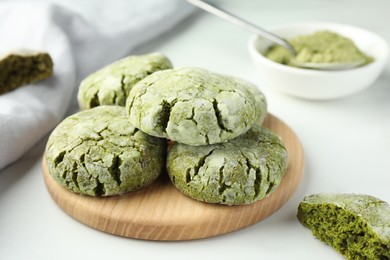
<point x="274" y="38"/>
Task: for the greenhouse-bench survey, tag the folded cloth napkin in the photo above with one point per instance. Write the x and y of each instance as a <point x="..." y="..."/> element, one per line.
<point x="79" y="43"/>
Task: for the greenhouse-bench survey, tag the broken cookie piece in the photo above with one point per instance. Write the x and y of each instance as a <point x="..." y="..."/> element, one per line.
<point x="97" y="152"/>
<point x="192" y="106"/>
<point x="241" y="171"/>
<point x="23" y="67"/>
<point x="357" y="226"/>
<point x="112" y="84"/>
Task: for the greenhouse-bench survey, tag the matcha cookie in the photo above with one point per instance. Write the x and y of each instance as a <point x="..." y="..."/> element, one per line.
<point x="23" y="67"/>
<point x="357" y="226"/>
<point x="112" y="84"/>
<point x="191" y="106"/>
<point x="97" y="152"/>
<point x="240" y="171"/>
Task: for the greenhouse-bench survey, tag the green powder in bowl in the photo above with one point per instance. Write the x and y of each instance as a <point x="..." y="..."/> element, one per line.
<point x="319" y="47"/>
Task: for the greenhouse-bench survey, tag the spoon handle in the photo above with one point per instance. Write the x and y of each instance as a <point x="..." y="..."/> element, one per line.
<point x="242" y="23"/>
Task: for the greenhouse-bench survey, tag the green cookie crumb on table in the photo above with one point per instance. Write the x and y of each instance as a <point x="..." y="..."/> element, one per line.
<point x="97" y="152"/>
<point x="192" y="106"/>
<point x="357" y="226"/>
<point x="112" y="84"/>
<point x="238" y="172"/>
<point x="22" y="67"/>
<point x="318" y="47"/>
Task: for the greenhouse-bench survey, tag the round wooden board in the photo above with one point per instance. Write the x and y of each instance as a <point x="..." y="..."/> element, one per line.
<point x="161" y="212"/>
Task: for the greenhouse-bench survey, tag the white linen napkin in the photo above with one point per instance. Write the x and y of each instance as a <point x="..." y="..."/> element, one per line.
<point x="78" y="44"/>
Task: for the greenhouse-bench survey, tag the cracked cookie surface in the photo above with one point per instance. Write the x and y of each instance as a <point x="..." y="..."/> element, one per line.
<point x="97" y="152"/>
<point x="261" y="102"/>
<point x="356" y="225"/>
<point x="191" y="106"/>
<point x="112" y="84"/>
<point x="240" y="171"/>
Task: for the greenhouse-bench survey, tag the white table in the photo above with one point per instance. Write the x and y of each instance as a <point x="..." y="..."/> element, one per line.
<point x="346" y="142"/>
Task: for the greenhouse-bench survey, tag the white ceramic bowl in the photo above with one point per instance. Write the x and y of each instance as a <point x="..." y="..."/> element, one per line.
<point x="316" y="84"/>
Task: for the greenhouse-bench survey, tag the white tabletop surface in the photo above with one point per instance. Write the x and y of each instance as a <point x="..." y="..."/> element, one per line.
<point x="346" y="143"/>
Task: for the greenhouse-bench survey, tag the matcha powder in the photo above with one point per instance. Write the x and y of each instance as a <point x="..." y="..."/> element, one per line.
<point x="319" y="47"/>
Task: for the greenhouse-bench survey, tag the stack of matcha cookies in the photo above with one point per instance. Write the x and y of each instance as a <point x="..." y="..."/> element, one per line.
<point x="220" y="155"/>
<point x="117" y="143"/>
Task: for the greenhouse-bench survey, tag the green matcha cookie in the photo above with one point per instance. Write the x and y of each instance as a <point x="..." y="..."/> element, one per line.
<point x="98" y="152"/>
<point x="23" y="67"/>
<point x="240" y="171"/>
<point x="112" y="84"/>
<point x="191" y="106"/>
<point x="357" y="226"/>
